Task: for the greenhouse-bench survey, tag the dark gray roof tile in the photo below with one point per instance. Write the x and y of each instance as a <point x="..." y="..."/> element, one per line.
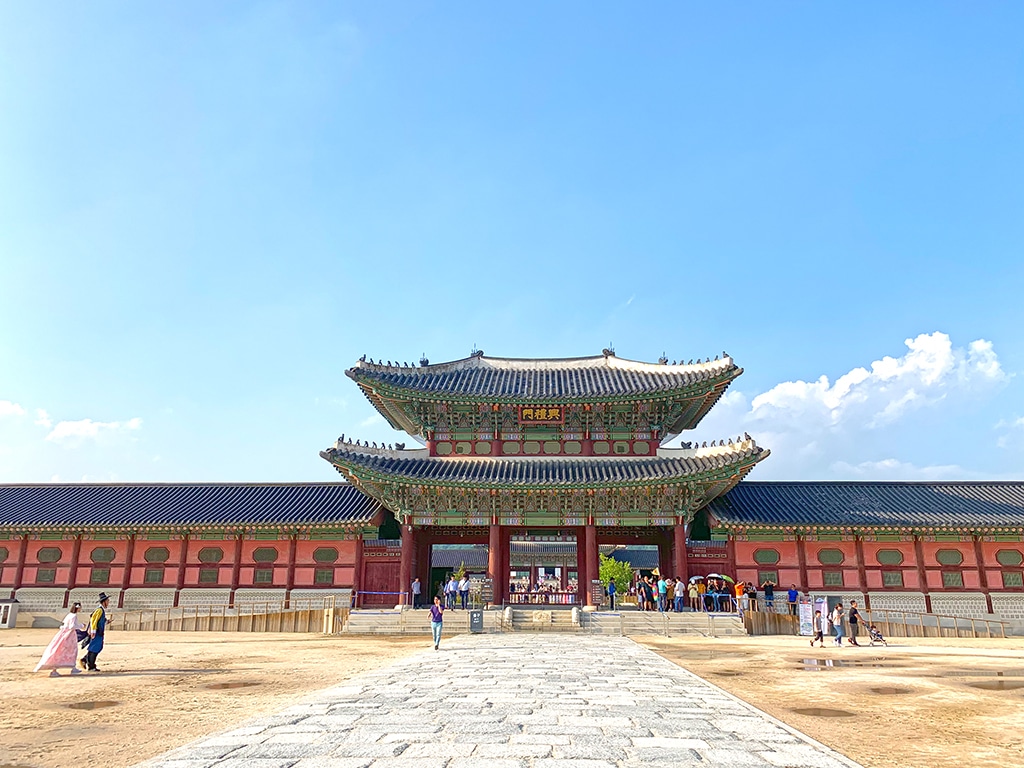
<point x="131" y="505"/>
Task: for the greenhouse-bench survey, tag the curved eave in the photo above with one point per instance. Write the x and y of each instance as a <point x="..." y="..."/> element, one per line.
<point x="726" y="473"/>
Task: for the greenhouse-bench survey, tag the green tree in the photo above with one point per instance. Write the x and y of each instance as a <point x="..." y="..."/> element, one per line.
<point x="621" y="572"/>
<point x="461" y="571"/>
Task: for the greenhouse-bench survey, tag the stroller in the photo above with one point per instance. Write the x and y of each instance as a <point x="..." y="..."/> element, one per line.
<point x="875" y="635"/>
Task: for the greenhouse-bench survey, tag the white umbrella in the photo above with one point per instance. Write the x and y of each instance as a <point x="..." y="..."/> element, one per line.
<point x="696" y="578"/>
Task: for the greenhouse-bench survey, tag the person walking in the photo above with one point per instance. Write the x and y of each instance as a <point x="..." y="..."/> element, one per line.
<point x="837" y="623"/>
<point x="611" y="594"/>
<point x="417" y="590"/>
<point x="97" y="630"/>
<point x="451" y="589"/>
<point x="662" y="593"/>
<point x="436" y="614"/>
<point x="792" y="597"/>
<point x="464" y="591"/>
<point x="853" y="617"/>
<point x="63" y="648"/>
<point x="820" y="629"/>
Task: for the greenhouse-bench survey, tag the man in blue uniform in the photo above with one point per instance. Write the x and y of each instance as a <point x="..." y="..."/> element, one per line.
<point x="97" y="628"/>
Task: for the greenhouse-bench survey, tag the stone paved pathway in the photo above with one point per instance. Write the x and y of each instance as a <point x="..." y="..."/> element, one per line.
<point x="515" y="701"/>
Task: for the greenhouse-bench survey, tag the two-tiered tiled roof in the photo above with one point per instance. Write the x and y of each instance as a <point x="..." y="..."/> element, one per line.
<point x="603" y="378"/>
<point x="966" y="505"/>
<point x="669" y="466"/>
<point x="127" y="506"/>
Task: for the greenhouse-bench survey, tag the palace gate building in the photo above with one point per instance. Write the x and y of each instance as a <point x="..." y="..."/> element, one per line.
<point x="541" y="464"/>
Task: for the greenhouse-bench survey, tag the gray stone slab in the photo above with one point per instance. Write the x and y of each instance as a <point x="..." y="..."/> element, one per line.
<point x="514" y="701"/>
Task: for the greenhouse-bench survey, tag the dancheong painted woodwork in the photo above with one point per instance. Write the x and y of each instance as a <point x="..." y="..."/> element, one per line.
<point x="545" y="442"/>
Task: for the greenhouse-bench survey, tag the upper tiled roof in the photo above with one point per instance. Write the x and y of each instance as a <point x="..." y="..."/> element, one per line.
<point x="575" y="379"/>
<point x="875" y="505"/>
<point x="130" y="505"/>
<point x="670" y="465"/>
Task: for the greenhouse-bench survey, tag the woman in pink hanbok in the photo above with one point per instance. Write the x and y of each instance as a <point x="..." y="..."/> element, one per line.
<point x="63" y="649"/>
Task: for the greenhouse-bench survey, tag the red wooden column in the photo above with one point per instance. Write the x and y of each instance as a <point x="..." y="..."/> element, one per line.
<point x="801" y="557"/>
<point x="19" y="570"/>
<point x="680" y="563"/>
<point x="982" y="574"/>
<point x="357" y="575"/>
<point x="922" y="574"/>
<point x="236" y="569"/>
<point x="179" y="582"/>
<point x="862" y="570"/>
<point x="405" y="568"/>
<point x="593" y="566"/>
<point x="494" y="560"/>
<point x="582" y="579"/>
<point x="76" y="553"/>
<point x="126" y="577"/>
<point x="289" y="579"/>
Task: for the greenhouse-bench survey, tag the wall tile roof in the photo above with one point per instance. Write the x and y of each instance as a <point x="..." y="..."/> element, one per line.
<point x="545" y="380"/>
<point x="860" y="504"/>
<point x="131" y="505"/>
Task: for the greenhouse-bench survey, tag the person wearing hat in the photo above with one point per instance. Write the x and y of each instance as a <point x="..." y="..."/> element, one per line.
<point x="97" y="628"/>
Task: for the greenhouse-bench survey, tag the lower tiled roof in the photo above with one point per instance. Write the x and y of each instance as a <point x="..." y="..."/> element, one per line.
<point x="874" y="505"/>
<point x="417" y="466"/>
<point x="141" y="505"/>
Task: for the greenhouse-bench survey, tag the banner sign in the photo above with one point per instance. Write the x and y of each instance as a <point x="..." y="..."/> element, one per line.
<point x="806" y="618"/>
<point x="541" y="414"/>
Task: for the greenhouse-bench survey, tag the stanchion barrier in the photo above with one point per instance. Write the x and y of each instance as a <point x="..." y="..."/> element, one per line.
<point x="357" y="597"/>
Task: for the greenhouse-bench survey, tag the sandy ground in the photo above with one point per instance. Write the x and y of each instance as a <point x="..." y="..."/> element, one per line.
<point x="910" y="704"/>
<point x="941" y="704"/>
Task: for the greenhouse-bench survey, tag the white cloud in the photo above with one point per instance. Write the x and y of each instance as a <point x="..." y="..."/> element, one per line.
<point x="71" y="433"/>
<point x="372" y="420"/>
<point x="43" y="418"/>
<point x="882" y="395"/>
<point x="820" y="428"/>
<point x="7" y="408"/>
<point x="893" y="469"/>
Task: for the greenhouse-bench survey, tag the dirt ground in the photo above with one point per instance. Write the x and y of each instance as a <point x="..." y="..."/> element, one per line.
<point x="911" y="704"/>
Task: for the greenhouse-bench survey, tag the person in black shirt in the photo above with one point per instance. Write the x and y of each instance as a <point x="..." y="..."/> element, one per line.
<point x="853" y="618"/>
<point x="769" y="594"/>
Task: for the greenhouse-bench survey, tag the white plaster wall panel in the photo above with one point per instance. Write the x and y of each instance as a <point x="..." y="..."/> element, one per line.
<point x="48" y="599"/>
<point x="897" y="601"/>
<point x="1008" y="606"/>
<point x="87" y="596"/>
<point x="274" y="598"/>
<point x="314" y="598"/>
<point x="962" y="604"/>
<point x="140" y="599"/>
<point x="197" y="596"/>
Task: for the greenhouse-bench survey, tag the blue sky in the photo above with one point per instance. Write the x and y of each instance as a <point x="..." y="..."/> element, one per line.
<point x="209" y="211"/>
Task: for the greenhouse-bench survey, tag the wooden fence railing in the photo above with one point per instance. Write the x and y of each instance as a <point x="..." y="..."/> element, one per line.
<point x="328" y="618"/>
<point x="890" y="623"/>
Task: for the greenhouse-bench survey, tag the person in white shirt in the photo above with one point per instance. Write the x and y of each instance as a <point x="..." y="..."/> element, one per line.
<point x="464" y="591"/>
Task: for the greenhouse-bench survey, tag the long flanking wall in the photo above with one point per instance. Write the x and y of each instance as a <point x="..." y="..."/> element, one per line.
<point x="949" y="548"/>
<point x="154" y="545"/>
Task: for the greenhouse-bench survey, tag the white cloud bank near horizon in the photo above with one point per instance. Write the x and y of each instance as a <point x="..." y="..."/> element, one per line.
<point x="818" y="428"/>
<point x="70" y="433"/>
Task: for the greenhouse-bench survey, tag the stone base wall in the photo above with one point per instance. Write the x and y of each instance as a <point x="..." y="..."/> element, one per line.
<point x="140" y="599"/>
<point x="44" y="599"/>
